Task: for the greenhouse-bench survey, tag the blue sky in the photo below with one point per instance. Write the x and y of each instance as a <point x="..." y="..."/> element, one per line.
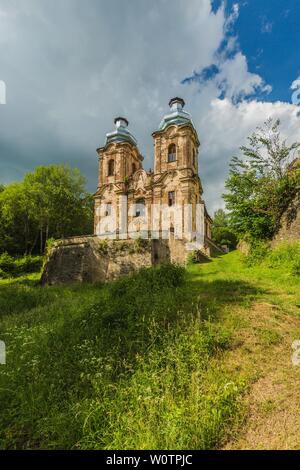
<point x="71" y="66"/>
<point x="268" y="34"/>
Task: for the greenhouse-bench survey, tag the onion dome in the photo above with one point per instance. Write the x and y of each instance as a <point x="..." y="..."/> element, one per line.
<point x="176" y="115"/>
<point x="121" y="133"/>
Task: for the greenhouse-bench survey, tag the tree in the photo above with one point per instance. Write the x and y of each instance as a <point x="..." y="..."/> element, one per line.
<point x="50" y="202"/>
<point x="16" y="222"/>
<point x="260" y="185"/>
<point x="61" y="203"/>
<point x="221" y="230"/>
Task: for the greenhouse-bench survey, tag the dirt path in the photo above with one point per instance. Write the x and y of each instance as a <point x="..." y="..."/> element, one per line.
<point x="263" y="354"/>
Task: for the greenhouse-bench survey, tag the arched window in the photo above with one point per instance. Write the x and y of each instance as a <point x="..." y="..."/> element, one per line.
<point x="171" y="231"/>
<point x="108" y="209"/>
<point x="133" y="168"/>
<point x="172" y="153"/>
<point x="140" y="207"/>
<point x="171" y="198"/>
<point x="111" y="168"/>
<point x="194" y="158"/>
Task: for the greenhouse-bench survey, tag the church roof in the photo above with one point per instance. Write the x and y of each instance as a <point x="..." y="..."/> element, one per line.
<point x="121" y="133"/>
<point x="176" y="115"/>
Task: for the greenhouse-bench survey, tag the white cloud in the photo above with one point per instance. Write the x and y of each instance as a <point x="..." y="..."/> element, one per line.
<point x="71" y="67"/>
<point x="231" y="19"/>
<point x="236" y="80"/>
<point x="225" y="127"/>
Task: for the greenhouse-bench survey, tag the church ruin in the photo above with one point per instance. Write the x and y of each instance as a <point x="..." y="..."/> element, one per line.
<point x="127" y="195"/>
<point x="142" y="218"/>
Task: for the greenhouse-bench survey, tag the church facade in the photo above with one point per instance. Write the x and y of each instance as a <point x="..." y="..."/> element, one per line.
<point x="164" y="203"/>
<point x="142" y="218"/>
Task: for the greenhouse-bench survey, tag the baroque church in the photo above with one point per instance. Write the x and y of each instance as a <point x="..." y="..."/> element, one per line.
<point x="174" y="182"/>
<point x="129" y="232"/>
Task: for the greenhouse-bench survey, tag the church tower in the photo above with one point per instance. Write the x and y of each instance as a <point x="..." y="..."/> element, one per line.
<point x="120" y="157"/>
<point x="119" y="160"/>
<point x="176" y="142"/>
<point x="176" y="179"/>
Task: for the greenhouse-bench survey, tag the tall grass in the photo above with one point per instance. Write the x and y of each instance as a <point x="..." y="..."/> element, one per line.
<point x="285" y="256"/>
<point x="127" y="365"/>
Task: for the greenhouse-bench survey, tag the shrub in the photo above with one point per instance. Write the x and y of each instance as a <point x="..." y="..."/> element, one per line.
<point x="286" y="255"/>
<point x="258" y="252"/>
<point x="141" y="244"/>
<point x="192" y="257"/>
<point x="49" y="244"/>
<point x="3" y="274"/>
<point x="148" y="280"/>
<point x="14" y="267"/>
<point x="103" y="247"/>
<point x="7" y="263"/>
<point x="295" y="268"/>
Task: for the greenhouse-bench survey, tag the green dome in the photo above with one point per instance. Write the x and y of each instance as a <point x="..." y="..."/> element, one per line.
<point x="176" y="115"/>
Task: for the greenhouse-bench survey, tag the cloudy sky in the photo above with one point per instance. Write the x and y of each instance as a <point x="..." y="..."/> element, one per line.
<point x="71" y="66"/>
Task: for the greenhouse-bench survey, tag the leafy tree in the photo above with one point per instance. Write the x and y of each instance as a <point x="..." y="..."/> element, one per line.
<point x="222" y="233"/>
<point x="260" y="184"/>
<point x="63" y="208"/>
<point x="16" y="221"/>
<point x="50" y="202"/>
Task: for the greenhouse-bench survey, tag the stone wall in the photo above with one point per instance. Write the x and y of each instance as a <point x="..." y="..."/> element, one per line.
<point x="90" y="259"/>
<point x="244" y="247"/>
<point x="178" y="252"/>
<point x="290" y="223"/>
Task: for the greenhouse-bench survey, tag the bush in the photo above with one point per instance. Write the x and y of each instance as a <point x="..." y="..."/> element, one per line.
<point x="3" y="274"/>
<point x="140" y="244"/>
<point x="193" y="257"/>
<point x="295" y="268"/>
<point x="14" y="267"/>
<point x="286" y="255"/>
<point x="258" y="252"/>
<point x="154" y="279"/>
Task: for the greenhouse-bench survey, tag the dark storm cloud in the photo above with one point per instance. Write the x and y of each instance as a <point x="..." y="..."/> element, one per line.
<point x="71" y="66"/>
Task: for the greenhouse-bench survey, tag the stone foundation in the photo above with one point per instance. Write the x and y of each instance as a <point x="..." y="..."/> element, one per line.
<point x="90" y="259"/>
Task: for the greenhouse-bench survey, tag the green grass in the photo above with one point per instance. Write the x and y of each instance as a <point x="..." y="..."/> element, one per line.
<point x="18" y="266"/>
<point x="141" y="363"/>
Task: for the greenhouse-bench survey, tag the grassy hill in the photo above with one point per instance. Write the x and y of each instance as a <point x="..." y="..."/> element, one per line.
<point x="166" y="358"/>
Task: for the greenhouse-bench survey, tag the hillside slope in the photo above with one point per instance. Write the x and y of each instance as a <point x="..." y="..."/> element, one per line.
<point x="161" y="359"/>
<point x="266" y="323"/>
